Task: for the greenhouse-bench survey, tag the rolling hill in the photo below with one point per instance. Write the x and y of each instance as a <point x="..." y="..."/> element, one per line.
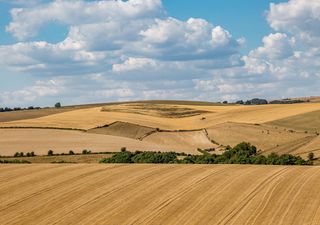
<point x="180" y="126"/>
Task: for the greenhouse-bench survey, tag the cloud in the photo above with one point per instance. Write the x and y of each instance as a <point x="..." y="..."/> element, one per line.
<point x="132" y="64"/>
<point x="113" y="37"/>
<point x="128" y="50"/>
<point x="22" y="2"/>
<point x="276" y="47"/>
<point x="300" y="18"/>
<point x="26" y="22"/>
<point x="172" y="39"/>
<point x="293" y="54"/>
<point x="34" y="93"/>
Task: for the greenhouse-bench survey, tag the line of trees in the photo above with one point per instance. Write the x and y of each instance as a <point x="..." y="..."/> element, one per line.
<point x="51" y="153"/>
<point x="22" y="154"/>
<point x="71" y="152"/>
<point x="243" y="153"/>
<point x="259" y="101"/>
<point x="7" y="109"/>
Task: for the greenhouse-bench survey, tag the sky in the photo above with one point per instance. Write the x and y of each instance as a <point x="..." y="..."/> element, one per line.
<point x="78" y="52"/>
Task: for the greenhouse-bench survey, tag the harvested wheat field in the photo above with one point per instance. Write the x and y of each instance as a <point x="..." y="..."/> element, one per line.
<point x="307" y="122"/>
<point x="190" y="140"/>
<point x="124" y="130"/>
<point x="166" y="126"/>
<point x="311" y="146"/>
<point x="61" y="141"/>
<point x="29" y="114"/>
<point x="210" y="115"/>
<point x="159" y="194"/>
<point x="266" y="138"/>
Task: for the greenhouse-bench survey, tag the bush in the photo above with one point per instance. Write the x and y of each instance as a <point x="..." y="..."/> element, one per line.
<point x="260" y="159"/>
<point x="243" y="153"/>
<point x="17" y="154"/>
<point x="50" y="153"/>
<point x="311" y="156"/>
<point x="57" y="105"/>
<point x="62" y="161"/>
<point x="15" y="161"/>
<point x="86" y="152"/>
<point x="120" y="157"/>
<point x="71" y="152"/>
<point x="154" y="157"/>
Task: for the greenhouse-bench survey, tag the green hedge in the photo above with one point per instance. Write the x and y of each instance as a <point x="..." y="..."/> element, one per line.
<point x="15" y="161"/>
<point x="243" y="153"/>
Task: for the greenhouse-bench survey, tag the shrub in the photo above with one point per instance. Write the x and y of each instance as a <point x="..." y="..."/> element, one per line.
<point x="50" y="153"/>
<point x="311" y="156"/>
<point x="62" y="161"/>
<point x="15" y="161"/>
<point x="85" y="152"/>
<point x="273" y="159"/>
<point x="71" y="152"/>
<point x="243" y="153"/>
<point x="120" y="157"/>
<point x="154" y="157"/>
<point x="259" y="159"/>
<point x="17" y="154"/>
<point x="123" y="149"/>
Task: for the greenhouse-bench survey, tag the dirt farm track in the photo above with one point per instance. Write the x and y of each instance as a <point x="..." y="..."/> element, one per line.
<point x="159" y="194"/>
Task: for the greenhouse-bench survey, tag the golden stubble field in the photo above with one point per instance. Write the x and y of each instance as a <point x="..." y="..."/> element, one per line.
<point x="97" y="116"/>
<point x="61" y="141"/>
<point x="164" y="126"/>
<point x="159" y="194"/>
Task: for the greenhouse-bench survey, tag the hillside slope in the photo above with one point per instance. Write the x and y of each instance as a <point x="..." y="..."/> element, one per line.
<point x="97" y="116"/>
<point x="279" y="128"/>
<point x="309" y="122"/>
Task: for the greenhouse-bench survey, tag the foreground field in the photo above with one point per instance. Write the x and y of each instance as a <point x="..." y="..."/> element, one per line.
<point x="159" y="194"/>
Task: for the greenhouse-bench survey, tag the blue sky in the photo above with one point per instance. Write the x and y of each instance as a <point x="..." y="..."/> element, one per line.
<point x="94" y="51"/>
<point x="245" y="18"/>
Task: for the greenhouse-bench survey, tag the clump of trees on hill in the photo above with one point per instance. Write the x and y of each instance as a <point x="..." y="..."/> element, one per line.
<point x="243" y="153"/>
<point x="142" y="157"/>
<point x="287" y="101"/>
<point x="57" y="105"/>
<point x="258" y="101"/>
<point x="22" y="154"/>
<point x="8" y="109"/>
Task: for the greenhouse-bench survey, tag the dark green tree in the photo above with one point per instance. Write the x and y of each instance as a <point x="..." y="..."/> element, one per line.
<point x="71" y="152"/>
<point x="50" y="153"/>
